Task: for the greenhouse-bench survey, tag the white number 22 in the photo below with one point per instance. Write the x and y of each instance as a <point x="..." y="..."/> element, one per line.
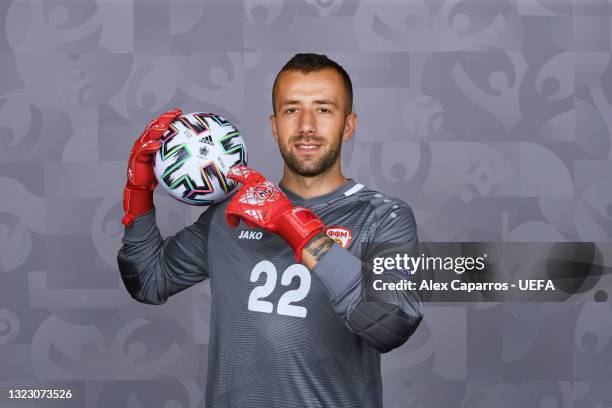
<point x="285" y="306"/>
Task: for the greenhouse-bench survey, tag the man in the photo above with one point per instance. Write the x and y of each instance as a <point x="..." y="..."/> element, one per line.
<point x="290" y="325"/>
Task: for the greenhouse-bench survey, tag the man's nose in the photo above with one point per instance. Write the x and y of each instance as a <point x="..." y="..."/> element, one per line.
<point x="307" y="122"/>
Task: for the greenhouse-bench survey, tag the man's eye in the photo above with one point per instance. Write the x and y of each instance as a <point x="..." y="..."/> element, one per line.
<point x="324" y="110"/>
<point x="291" y="110"/>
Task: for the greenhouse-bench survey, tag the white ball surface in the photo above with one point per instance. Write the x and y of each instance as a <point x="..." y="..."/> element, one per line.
<point x="196" y="154"/>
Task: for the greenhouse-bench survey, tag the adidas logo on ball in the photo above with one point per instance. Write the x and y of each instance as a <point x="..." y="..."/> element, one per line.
<point x="208" y="140"/>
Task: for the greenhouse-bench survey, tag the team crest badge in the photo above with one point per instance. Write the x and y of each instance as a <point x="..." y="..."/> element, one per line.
<point x="341" y="235"/>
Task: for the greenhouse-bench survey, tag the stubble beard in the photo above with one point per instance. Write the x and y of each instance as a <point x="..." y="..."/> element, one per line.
<point x="311" y="168"/>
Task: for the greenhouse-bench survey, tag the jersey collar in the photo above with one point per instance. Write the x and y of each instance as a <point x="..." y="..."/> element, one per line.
<point x="350" y="183"/>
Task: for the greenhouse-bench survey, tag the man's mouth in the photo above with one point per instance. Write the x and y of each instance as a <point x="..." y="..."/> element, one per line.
<point x="307" y="147"/>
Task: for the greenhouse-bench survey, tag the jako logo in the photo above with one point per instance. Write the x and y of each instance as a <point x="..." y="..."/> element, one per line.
<point x="250" y="235"/>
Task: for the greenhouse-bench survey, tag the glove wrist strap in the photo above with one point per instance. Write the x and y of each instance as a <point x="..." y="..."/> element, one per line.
<point x="297" y="226"/>
<point x="136" y="202"/>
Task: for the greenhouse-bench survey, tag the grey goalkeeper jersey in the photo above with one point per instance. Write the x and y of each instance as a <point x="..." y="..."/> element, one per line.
<point x="281" y="335"/>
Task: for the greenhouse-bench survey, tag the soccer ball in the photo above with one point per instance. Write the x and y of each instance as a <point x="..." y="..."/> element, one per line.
<point x="196" y="154"/>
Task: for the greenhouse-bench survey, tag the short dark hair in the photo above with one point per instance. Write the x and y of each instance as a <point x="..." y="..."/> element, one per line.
<point x="309" y="62"/>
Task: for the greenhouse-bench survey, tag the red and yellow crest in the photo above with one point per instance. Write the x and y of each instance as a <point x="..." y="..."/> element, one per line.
<point x="339" y="234"/>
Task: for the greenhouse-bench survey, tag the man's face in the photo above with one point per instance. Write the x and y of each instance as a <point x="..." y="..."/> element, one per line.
<point x="311" y="121"/>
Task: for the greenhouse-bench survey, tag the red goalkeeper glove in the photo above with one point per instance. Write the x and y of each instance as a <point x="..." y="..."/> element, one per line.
<point x="260" y="203"/>
<point x="141" y="181"/>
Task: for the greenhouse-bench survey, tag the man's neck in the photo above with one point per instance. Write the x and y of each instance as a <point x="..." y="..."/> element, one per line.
<point x="309" y="187"/>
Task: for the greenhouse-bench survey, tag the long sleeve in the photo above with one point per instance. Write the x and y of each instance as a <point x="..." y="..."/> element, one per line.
<point x="154" y="269"/>
<point x="385" y="319"/>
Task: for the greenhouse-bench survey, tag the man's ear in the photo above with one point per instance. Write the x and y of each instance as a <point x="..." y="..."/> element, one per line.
<point x="273" y="126"/>
<point x="350" y="125"/>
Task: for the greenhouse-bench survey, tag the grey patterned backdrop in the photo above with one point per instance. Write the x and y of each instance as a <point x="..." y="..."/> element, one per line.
<point x="492" y="119"/>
